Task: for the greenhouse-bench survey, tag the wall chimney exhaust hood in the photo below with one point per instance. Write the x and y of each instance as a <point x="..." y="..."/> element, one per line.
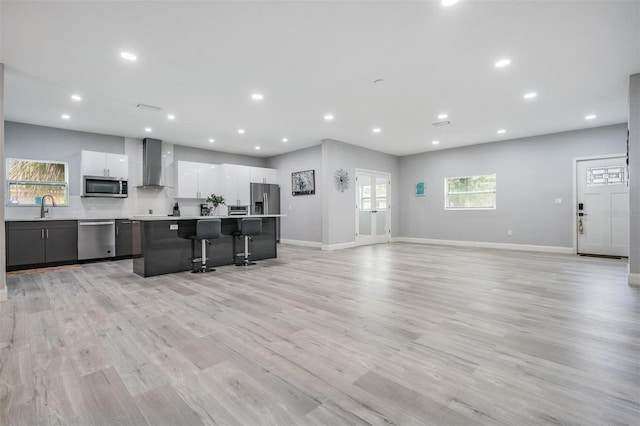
<point x="151" y="164"/>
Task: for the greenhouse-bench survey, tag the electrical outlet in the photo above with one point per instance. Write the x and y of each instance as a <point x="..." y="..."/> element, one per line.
<point x="558" y="200"/>
<point x="509" y="232"/>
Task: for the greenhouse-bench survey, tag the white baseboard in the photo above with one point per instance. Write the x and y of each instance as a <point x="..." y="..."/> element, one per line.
<point x="634" y="279"/>
<point x="3" y="294"/>
<point x="479" y="244"/>
<point x="314" y="244"/>
<point x="339" y="246"/>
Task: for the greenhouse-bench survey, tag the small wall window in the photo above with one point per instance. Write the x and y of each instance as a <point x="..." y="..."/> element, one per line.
<point x="470" y="192"/>
<point x="28" y="180"/>
<point x="605" y="176"/>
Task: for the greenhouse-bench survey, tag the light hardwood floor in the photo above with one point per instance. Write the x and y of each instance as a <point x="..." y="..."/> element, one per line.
<point x="389" y="334"/>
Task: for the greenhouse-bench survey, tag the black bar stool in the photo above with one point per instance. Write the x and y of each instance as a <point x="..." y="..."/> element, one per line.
<point x="249" y="227"/>
<point x="206" y="230"/>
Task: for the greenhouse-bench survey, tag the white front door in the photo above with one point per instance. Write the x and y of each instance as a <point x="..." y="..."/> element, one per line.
<point x="603" y="204"/>
<point x="373" y="215"/>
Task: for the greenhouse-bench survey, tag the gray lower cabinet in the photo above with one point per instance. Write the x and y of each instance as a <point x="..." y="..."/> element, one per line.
<point x="30" y="243"/>
<point x="124" y="239"/>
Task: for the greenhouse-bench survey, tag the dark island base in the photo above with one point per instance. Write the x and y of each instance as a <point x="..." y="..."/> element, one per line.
<point x="161" y="250"/>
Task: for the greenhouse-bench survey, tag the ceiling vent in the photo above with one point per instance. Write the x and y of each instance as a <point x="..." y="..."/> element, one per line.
<point x="148" y="107"/>
<point x="441" y="123"/>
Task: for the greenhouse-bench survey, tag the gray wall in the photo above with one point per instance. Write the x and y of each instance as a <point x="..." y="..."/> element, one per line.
<point x="339" y="207"/>
<point x="304" y="212"/>
<point x="187" y="153"/>
<point x="48" y="143"/>
<point x="634" y="173"/>
<point x="531" y="173"/>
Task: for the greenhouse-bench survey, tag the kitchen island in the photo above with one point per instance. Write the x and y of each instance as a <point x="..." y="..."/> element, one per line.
<point x="162" y="245"/>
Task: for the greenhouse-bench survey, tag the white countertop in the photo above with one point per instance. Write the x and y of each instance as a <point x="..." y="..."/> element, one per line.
<point x="159" y="217"/>
<point x="144" y="217"/>
<point x="41" y="219"/>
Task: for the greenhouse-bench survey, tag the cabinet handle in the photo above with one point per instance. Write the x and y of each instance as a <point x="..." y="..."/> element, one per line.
<point x="46" y="233"/>
<point x="42" y="234"/>
<point x="125" y="222"/>
<point x="116" y="231"/>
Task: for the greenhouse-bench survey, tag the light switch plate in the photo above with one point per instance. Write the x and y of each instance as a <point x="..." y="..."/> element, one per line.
<point x="173" y="227"/>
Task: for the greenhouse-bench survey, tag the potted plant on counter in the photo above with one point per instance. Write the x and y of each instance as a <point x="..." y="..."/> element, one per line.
<point x="215" y="200"/>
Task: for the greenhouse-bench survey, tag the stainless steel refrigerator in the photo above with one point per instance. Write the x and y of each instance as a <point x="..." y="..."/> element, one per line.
<point x="265" y="199"/>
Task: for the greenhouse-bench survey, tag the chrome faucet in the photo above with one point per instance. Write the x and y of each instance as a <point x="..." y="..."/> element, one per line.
<point x="44" y="211"/>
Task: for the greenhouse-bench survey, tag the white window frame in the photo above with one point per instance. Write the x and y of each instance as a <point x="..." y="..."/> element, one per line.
<point x="446" y="193"/>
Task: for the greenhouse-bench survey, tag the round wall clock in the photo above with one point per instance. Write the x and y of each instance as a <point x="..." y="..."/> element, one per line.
<point x="341" y="180"/>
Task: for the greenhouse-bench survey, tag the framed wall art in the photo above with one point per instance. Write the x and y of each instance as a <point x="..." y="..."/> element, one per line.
<point x="303" y="183"/>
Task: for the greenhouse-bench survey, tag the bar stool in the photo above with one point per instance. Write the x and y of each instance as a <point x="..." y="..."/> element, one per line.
<point x="249" y="227"/>
<point x="206" y="230"/>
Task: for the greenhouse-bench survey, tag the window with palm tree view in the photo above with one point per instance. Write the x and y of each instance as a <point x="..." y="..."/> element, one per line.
<point x="470" y="192"/>
<point x="29" y="180"/>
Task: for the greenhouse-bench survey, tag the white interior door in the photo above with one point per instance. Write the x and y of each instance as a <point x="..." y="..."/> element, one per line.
<point x="373" y="202"/>
<point x="603" y="204"/>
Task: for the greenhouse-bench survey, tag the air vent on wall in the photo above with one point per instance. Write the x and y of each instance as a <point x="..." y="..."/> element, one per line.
<point x="148" y="107"/>
<point x="441" y="123"/>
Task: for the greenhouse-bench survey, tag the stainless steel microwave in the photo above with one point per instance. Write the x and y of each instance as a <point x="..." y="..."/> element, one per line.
<point x="104" y="186"/>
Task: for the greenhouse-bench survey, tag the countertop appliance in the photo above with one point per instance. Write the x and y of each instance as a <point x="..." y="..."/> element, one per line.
<point x="104" y="186"/>
<point x="265" y="199"/>
<point x="238" y="210"/>
<point x="96" y="239"/>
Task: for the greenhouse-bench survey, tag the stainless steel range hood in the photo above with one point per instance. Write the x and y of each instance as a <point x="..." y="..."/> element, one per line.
<point x="151" y="164"/>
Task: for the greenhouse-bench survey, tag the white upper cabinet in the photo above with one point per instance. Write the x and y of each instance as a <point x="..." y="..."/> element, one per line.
<point x="104" y="164"/>
<point x="264" y="175"/>
<point x="196" y="180"/>
<point x="236" y="187"/>
<point x="208" y="180"/>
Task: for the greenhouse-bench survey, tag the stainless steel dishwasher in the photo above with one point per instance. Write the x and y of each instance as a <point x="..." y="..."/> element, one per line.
<point x="96" y="239"/>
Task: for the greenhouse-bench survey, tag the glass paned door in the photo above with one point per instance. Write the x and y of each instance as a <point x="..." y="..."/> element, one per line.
<point x="372" y="207"/>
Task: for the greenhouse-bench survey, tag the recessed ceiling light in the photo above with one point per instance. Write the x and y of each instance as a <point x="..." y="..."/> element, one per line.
<point x="147" y="129"/>
<point x="65" y="116"/>
<point x="448" y="2"/>
<point x="128" y="56"/>
<point x="502" y="63"/>
<point x="285" y="140"/>
<point x="257" y="148"/>
<point x="530" y="95"/>
<point x="377" y="130"/>
<point x="443" y="116"/>
<point x="211" y="140"/>
<point x="241" y="131"/>
<point x="590" y="117"/>
<point x="76" y="98"/>
<point x="435" y="142"/>
<point x="257" y="96"/>
<point x="328" y="117"/>
<point x="502" y="131"/>
<point x="171" y="117"/>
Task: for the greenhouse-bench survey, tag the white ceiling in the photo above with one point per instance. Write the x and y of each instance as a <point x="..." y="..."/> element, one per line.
<point x="202" y="60"/>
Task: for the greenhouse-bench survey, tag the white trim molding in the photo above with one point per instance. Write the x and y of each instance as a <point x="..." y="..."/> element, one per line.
<point x="634" y="279"/>
<point x="480" y="244"/>
<point x="339" y="246"/>
<point x="3" y="295"/>
<point x="314" y="244"/>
